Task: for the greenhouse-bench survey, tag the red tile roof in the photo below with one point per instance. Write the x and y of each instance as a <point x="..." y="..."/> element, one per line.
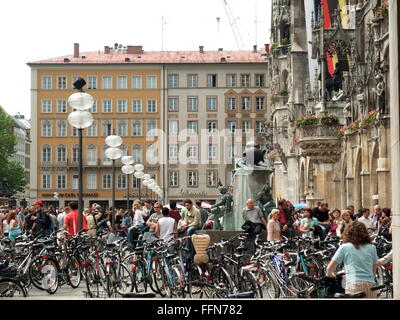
<point x="159" y="57"/>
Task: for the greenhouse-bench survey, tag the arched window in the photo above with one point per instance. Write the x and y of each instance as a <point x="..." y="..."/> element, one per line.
<point x="75" y="153"/>
<point x="46" y="128"/>
<point x="151" y="156"/>
<point x="46" y="153"/>
<point x="61" y="153"/>
<point x="137" y="128"/>
<point x="122" y="128"/>
<point x="137" y="153"/>
<point x="91" y="154"/>
<point x="105" y="159"/>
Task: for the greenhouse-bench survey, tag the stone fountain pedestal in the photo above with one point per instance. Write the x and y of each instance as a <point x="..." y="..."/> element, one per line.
<point x="247" y="183"/>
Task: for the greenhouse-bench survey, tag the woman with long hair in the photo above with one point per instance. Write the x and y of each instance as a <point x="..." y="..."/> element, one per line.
<point x="273" y="226"/>
<point x="360" y="260"/>
<point x="14" y="226"/>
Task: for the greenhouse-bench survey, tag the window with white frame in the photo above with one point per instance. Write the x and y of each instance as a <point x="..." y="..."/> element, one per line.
<point x="246" y="126"/>
<point x="173" y="178"/>
<point x="151" y="106"/>
<point x="122" y="128"/>
<point x="92" y="82"/>
<point x="260" y="80"/>
<point x="61" y="181"/>
<point x="105" y="159"/>
<point x="121" y="183"/>
<point x="61" y="106"/>
<point x="173" y="127"/>
<point x="75" y="132"/>
<point x="193" y="104"/>
<point x="211" y="103"/>
<point x="46" y="82"/>
<point x="107" y="82"/>
<point x="93" y="109"/>
<point x="122" y="106"/>
<point x="231" y="126"/>
<point x="151" y="126"/>
<point x="245" y="80"/>
<point x="245" y="103"/>
<point x="46" y="154"/>
<point x="173" y="81"/>
<point x="46" y="181"/>
<point x="137" y="82"/>
<point x="173" y="104"/>
<point x="61" y="128"/>
<point x="212" y="151"/>
<point x="92" y="130"/>
<point x="137" y="153"/>
<point x="211" y="80"/>
<point x="46" y="106"/>
<point x="259" y="126"/>
<point x="91" y="154"/>
<point x="75" y="153"/>
<point x="151" y="156"/>
<point x="231" y="103"/>
<point x="192" y="80"/>
<point x="212" y="178"/>
<point x="137" y="128"/>
<point x="151" y="82"/>
<point x="231" y="80"/>
<point x="74" y="79"/>
<point x="46" y="128"/>
<point x="192" y="178"/>
<point x="61" y="82"/>
<point x="122" y="82"/>
<point x="107" y="181"/>
<point x="212" y="126"/>
<point x="192" y="151"/>
<point x="260" y="103"/>
<point x="136" y="106"/>
<point x="75" y="181"/>
<point x="106" y="128"/>
<point x="61" y="154"/>
<point x="192" y="127"/>
<point x="91" y="181"/>
<point x="107" y="106"/>
<point x="173" y="152"/>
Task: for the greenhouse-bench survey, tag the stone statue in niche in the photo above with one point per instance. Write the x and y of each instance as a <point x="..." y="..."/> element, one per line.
<point x="379" y="90"/>
<point x="347" y="111"/>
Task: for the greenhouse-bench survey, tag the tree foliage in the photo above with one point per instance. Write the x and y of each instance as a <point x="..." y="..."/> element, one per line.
<point x="11" y="171"/>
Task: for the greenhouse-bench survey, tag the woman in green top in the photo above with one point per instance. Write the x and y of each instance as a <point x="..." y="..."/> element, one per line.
<point x="308" y="223"/>
<point x="359" y="257"/>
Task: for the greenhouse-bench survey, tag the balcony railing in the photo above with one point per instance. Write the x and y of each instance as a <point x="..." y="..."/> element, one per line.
<point x="320" y="142"/>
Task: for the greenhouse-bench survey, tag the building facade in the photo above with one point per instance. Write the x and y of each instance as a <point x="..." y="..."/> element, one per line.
<point x="332" y="135"/>
<point x="149" y="99"/>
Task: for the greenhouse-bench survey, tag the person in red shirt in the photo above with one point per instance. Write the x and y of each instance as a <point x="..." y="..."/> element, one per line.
<point x="71" y="220"/>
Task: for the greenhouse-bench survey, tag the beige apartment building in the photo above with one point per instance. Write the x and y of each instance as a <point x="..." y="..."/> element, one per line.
<point x="152" y="100"/>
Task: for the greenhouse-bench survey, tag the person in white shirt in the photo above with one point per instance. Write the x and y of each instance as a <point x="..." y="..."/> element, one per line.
<point x="367" y="221"/>
<point x="166" y="228"/>
<point x="138" y="222"/>
<point x="377" y="215"/>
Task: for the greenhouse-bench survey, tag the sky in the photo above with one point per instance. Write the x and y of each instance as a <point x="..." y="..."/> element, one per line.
<point x="32" y="30"/>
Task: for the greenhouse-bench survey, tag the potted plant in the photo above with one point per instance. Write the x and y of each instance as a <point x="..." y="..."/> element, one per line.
<point x="330" y="120"/>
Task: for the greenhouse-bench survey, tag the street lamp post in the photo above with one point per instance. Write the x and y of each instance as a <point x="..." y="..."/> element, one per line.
<point x="139" y="174"/>
<point x="80" y="119"/>
<point x="113" y="153"/>
<point x="127" y="169"/>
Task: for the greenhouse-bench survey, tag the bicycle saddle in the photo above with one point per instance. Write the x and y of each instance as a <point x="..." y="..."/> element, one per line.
<point x="350" y="296"/>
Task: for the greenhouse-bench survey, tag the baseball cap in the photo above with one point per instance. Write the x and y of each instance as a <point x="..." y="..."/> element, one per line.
<point x="38" y="202"/>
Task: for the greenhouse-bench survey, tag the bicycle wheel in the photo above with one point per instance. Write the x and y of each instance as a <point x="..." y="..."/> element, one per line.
<point x="167" y="286"/>
<point x="297" y="287"/>
<point x="124" y="280"/>
<point x="157" y="284"/>
<point x="92" y="280"/>
<point x="139" y="275"/>
<point x="222" y="279"/>
<point x="73" y="271"/>
<point x="35" y="274"/>
<point x="49" y="269"/>
<point x="269" y="287"/>
<point x="179" y="283"/>
<point x="10" y="288"/>
<point x="110" y="277"/>
<point x="250" y="284"/>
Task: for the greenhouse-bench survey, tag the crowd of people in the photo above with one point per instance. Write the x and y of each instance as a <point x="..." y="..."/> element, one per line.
<point x="155" y="221"/>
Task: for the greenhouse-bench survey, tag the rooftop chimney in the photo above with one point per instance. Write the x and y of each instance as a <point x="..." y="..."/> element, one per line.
<point x="135" y="49"/>
<point x="255" y="48"/>
<point x="266" y="46"/>
<point x="201" y="49"/>
<point x="107" y="50"/>
<point x="76" y="50"/>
